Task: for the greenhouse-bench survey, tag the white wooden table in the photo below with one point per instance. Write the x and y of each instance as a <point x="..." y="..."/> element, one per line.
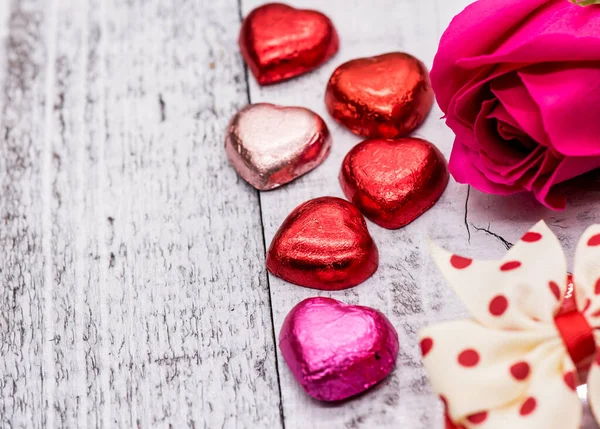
<point x="133" y="285"/>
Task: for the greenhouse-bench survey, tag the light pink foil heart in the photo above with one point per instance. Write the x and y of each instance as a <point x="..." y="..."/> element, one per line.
<point x="337" y="351"/>
<point x="272" y="145"/>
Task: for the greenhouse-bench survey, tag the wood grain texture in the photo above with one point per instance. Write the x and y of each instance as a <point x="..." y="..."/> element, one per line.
<point x="134" y="292"/>
<point x="407" y="287"/>
<point x="21" y="261"/>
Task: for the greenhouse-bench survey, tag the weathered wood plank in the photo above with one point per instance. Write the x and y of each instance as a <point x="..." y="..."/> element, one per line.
<point x="134" y="289"/>
<point x="405" y="287"/>
<point x="64" y="181"/>
<point x="193" y="346"/>
<point x="23" y="373"/>
<point x="98" y="358"/>
<point x="199" y="349"/>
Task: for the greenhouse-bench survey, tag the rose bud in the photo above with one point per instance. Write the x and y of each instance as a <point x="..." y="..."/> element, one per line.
<point x="519" y="82"/>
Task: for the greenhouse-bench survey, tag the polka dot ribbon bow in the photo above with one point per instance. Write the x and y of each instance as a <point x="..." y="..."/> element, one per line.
<point x="531" y="339"/>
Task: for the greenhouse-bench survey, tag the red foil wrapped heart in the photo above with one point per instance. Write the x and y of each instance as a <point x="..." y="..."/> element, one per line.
<point x="279" y="42"/>
<point x="271" y="145"/>
<point x="393" y="182"/>
<point x="385" y="96"/>
<point x="337" y="351"/>
<point x="323" y="244"/>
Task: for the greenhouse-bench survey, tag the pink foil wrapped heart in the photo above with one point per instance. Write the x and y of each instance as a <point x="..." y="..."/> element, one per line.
<point x="271" y="145"/>
<point x="337" y="351"/>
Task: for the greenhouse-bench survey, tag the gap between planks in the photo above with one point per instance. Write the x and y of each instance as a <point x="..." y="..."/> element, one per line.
<point x="48" y="370"/>
<point x="264" y="241"/>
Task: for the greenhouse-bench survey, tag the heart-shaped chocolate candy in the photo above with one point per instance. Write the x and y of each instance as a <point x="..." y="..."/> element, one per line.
<point x="323" y="244"/>
<point x="271" y="145"/>
<point x="393" y="182"/>
<point x="337" y="351"/>
<point x="384" y="96"/>
<point x="279" y="42"/>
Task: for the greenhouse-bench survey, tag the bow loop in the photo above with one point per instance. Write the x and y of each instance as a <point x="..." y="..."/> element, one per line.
<point x="512" y="365"/>
<point x="490" y="377"/>
<point x="586" y="274"/>
<point x="516" y="292"/>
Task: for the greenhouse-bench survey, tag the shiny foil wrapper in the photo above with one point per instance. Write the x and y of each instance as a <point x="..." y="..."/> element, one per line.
<point x="393" y="182"/>
<point x="386" y="96"/>
<point x="323" y="244"/>
<point x="279" y="42"/>
<point x="270" y="145"/>
<point x="336" y="351"/>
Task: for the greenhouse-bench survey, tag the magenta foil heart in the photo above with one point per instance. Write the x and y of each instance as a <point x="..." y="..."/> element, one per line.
<point x="337" y="351"/>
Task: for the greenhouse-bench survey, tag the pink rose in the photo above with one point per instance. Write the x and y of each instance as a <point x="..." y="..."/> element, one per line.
<point x="519" y="81"/>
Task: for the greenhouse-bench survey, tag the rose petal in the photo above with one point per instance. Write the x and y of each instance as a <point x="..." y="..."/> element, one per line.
<point x="463" y="166"/>
<point x="476" y="31"/>
<point x="463" y="132"/>
<point x="467" y="101"/>
<point x="555" y="32"/>
<point x="546" y="48"/>
<point x="565" y="170"/>
<point x="500" y="152"/>
<point x="548" y="165"/>
<point x="510" y="132"/>
<point x="483" y="172"/>
<point x="507" y="127"/>
<point x="530" y="163"/>
<point x="520" y="105"/>
<point x="499" y="160"/>
<point x="568" y="96"/>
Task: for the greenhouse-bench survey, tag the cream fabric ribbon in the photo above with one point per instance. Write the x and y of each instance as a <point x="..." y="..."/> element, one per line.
<point x="508" y="367"/>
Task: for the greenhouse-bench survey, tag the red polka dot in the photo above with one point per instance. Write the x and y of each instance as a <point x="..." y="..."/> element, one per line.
<point x="528" y="406"/>
<point x="426" y="346"/>
<point x="478" y="418"/>
<point x="531" y="237"/>
<point x="596" y="313"/>
<point x="555" y="289"/>
<point x="468" y="358"/>
<point x="459" y="262"/>
<point x="588" y="303"/>
<point x="498" y="305"/>
<point x="520" y="371"/>
<point x="594" y="240"/>
<point x="569" y="378"/>
<point x="510" y="265"/>
<point x="597" y="287"/>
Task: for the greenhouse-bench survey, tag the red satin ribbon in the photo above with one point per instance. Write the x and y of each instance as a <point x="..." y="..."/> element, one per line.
<point x="576" y="332"/>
